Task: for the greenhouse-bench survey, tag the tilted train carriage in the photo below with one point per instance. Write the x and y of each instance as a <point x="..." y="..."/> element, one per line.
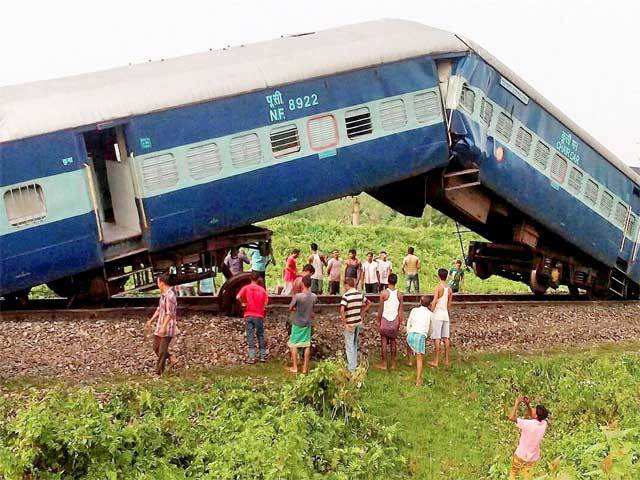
<point x="120" y="173"/>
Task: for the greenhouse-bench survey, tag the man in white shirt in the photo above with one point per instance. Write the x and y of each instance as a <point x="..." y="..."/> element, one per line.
<point x="384" y="270"/>
<point x="318" y="261"/>
<point x="371" y="276"/>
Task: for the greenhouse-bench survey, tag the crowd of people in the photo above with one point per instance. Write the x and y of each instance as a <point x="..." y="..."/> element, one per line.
<point x="375" y="276"/>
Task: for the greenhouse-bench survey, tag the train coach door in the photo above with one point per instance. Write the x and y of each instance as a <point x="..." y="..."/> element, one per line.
<point x="112" y="184"/>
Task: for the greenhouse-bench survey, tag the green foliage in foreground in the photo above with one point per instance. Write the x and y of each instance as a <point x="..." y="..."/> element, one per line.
<point x="437" y="247"/>
<point x="456" y="426"/>
<point x="225" y="430"/>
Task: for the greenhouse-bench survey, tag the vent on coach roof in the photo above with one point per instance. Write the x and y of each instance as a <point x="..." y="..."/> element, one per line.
<point x="25" y="204"/>
<point x="284" y="140"/>
<point x="323" y="132"/>
<point x="620" y="216"/>
<point x="245" y="150"/>
<point x="558" y="168"/>
<point x="467" y="99"/>
<point x="204" y="161"/>
<point x="606" y="204"/>
<point x="358" y="122"/>
<point x="523" y="141"/>
<point x="504" y="128"/>
<point x="393" y="114"/>
<point x="159" y="172"/>
<point x="591" y="192"/>
<point x="541" y="155"/>
<point x="486" y="112"/>
<point x="426" y="107"/>
<point x="575" y="180"/>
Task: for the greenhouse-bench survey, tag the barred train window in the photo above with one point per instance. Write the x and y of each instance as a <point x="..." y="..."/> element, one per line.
<point x="467" y="99"/>
<point x="541" y="155"/>
<point x="159" y="172"/>
<point x="426" y="107"/>
<point x="606" y="204"/>
<point x="245" y="150"/>
<point x="591" y="192"/>
<point x="358" y="122"/>
<point x="523" y="141"/>
<point x="486" y="112"/>
<point x="575" y="180"/>
<point x="631" y="228"/>
<point x="620" y="216"/>
<point x="284" y="140"/>
<point x="25" y="204"/>
<point x="558" y="168"/>
<point x="393" y="115"/>
<point x="504" y="127"/>
<point x="323" y="132"/>
<point x="204" y="161"/>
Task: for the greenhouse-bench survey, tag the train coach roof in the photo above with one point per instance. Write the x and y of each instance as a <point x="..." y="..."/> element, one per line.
<point x="36" y="108"/>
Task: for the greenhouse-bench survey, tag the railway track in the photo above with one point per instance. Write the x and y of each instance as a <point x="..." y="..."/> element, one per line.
<point x="210" y="304"/>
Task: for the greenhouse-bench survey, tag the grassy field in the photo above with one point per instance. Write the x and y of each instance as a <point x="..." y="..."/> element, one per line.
<point x="224" y="424"/>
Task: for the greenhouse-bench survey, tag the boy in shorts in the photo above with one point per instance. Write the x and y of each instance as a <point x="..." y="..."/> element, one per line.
<point x="390" y="318"/>
<point x="418" y="326"/>
<point x="302" y="305"/>
<point x="440" y="320"/>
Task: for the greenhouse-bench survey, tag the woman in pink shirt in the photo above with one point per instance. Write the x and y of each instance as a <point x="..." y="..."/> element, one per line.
<point x="290" y="271"/>
<point x="532" y="431"/>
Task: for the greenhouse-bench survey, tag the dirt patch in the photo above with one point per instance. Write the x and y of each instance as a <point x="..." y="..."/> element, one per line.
<point x="82" y="348"/>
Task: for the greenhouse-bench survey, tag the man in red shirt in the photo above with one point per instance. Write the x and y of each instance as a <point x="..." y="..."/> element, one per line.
<point x="254" y="300"/>
<point x="290" y="271"/>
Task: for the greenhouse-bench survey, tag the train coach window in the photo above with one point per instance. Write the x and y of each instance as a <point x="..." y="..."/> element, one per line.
<point x="245" y="150"/>
<point x="620" y="216"/>
<point x="426" y="107"/>
<point x="575" y="180"/>
<point x="486" y="112"/>
<point x="358" y="122"/>
<point x="467" y="99"/>
<point x="591" y="192"/>
<point x="523" y="141"/>
<point x="25" y="204"/>
<point x="541" y="155"/>
<point x="393" y="115"/>
<point x="558" y="168"/>
<point x="323" y="132"/>
<point x="606" y="204"/>
<point x="631" y="228"/>
<point x="284" y="140"/>
<point x="504" y="127"/>
<point x="159" y="172"/>
<point x="204" y="161"/>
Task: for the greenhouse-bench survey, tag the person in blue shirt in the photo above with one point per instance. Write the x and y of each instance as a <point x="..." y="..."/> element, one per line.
<point x="260" y="258"/>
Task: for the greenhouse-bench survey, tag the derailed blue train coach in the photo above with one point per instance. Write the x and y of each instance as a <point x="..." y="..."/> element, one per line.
<point x="117" y="174"/>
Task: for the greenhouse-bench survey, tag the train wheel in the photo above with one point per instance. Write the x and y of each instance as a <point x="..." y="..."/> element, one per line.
<point x="574" y="292"/>
<point x="227" y="295"/>
<point x="536" y="287"/>
<point x="16" y="299"/>
<point x="481" y="270"/>
<point x="85" y="288"/>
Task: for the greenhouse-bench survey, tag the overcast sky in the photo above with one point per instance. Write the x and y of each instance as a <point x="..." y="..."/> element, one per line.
<point x="582" y="55"/>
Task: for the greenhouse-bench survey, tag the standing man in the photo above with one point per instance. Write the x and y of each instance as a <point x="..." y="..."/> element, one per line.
<point x="302" y="304"/>
<point x="371" y="275"/>
<point x="456" y="277"/>
<point x="290" y="271"/>
<point x="411" y="269"/>
<point x="235" y="261"/>
<point x="307" y="271"/>
<point x="418" y="326"/>
<point x="166" y="317"/>
<point x="384" y="270"/>
<point x="353" y="309"/>
<point x="390" y="317"/>
<point x="532" y="431"/>
<point x="353" y="268"/>
<point x="318" y="261"/>
<point x="334" y="269"/>
<point x="254" y="300"/>
<point x="440" y="308"/>
<point x="261" y="257"/>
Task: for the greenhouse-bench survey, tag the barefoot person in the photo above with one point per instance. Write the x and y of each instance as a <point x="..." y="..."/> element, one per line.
<point x="254" y="300"/>
<point x="418" y="326"/>
<point x="389" y="322"/>
<point x="411" y="270"/>
<point x="166" y="323"/>
<point x="440" y="320"/>
<point x="302" y="305"/>
<point x="353" y="309"/>
<point x="532" y="431"/>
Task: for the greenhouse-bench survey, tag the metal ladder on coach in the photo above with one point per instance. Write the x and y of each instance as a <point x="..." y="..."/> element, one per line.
<point x="460" y="179"/>
<point x="618" y="282"/>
